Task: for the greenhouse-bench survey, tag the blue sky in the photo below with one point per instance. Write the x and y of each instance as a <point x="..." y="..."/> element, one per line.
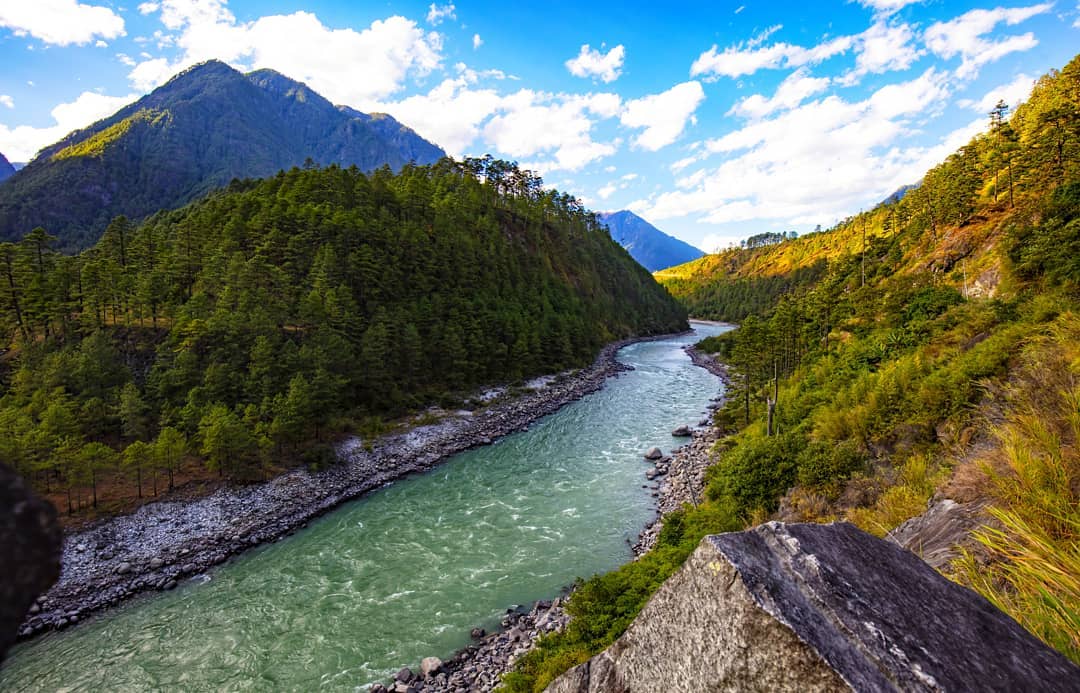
<point x="713" y="122"/>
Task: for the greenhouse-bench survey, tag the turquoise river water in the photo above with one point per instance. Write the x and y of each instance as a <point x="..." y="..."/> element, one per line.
<point x="404" y="572"/>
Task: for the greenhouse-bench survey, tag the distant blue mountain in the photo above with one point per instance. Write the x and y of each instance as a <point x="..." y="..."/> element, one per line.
<point x="6" y="169"/>
<point x="651" y="247"/>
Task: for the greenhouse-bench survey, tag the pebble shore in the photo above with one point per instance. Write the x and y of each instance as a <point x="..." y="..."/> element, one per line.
<point x="165" y="542"/>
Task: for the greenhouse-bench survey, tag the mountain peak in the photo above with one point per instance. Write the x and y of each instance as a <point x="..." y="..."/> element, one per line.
<point x="651" y="247"/>
<point x="202" y="128"/>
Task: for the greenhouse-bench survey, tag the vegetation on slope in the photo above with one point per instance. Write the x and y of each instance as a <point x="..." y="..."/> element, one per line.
<point x="206" y="126"/>
<point x="868" y="375"/>
<point x="244" y="326"/>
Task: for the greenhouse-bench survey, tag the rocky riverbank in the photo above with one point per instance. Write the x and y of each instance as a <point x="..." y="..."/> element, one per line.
<point x="478" y="668"/>
<point x="167" y="541"/>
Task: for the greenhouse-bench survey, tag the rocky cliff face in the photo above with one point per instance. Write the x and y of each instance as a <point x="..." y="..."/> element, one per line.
<point x="817" y="608"/>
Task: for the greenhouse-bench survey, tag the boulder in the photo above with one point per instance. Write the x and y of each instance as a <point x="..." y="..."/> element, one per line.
<point x="653" y="453"/>
<point x="404" y="675"/>
<point x="817" y="608"/>
<point x="682" y="431"/>
<point x="429" y="666"/>
<point x="30" y="542"/>
<point x="651" y="473"/>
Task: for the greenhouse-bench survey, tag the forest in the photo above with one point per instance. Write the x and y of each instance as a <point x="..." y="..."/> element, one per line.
<point x="928" y="346"/>
<point x="242" y="331"/>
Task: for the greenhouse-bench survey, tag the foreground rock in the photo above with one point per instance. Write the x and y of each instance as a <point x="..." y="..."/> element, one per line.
<point x="164" y="542"/>
<point x="817" y="608"/>
<point x="29" y="552"/>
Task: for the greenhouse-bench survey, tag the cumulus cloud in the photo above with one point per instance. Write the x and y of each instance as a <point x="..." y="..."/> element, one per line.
<point x="299" y="45"/>
<point x="148" y="7"/>
<point x="815" y="162"/>
<point x="663" y="116"/>
<point x="966" y="36"/>
<point x="796" y="88"/>
<point x="748" y="57"/>
<point x="21" y="142"/>
<point x="60" y="22"/>
<point x="558" y="127"/>
<point x="477" y="41"/>
<point x="886" y="47"/>
<point x="592" y="63"/>
<point x="1012" y="93"/>
<point x="437" y="14"/>
<point x="6" y="100"/>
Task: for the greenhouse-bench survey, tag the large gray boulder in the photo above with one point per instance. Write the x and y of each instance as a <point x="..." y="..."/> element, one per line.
<point x="817" y="608"/>
<point x="30" y="541"/>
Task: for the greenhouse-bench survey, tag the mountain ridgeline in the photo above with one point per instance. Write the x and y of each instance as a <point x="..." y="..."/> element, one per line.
<point x="249" y="322"/>
<point x="647" y="244"/>
<point x="6" y="169"/>
<point x="206" y="126"/>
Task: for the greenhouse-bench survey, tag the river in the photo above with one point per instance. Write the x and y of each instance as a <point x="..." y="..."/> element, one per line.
<point x="404" y="572"/>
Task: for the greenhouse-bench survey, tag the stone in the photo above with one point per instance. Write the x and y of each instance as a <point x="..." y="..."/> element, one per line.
<point x="123" y="569"/>
<point x="477" y="633"/>
<point x="937" y="534"/>
<point x="651" y="473"/>
<point x="806" y="607"/>
<point x="156" y="563"/>
<point x="653" y="453"/>
<point x="404" y="675"/>
<point x="30" y="543"/>
<point x="682" y="431"/>
<point x="429" y="666"/>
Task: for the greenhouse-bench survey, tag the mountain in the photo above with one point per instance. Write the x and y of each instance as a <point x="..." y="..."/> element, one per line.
<point x="6" y="169"/>
<point x="206" y="126"/>
<point x="647" y="244"/>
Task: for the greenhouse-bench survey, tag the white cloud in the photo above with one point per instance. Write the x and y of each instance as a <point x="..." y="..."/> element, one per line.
<point x="592" y="63"/>
<point x="1012" y="93"/>
<point x="437" y="14"/>
<point x="100" y="44"/>
<point x="60" y="22"/>
<point x="148" y="7"/>
<point x="664" y="116"/>
<point x="813" y="163"/>
<point x="606" y="191"/>
<point x="887" y="6"/>
<point x="20" y="143"/>
<point x="885" y="47"/>
<point x="450" y="114"/>
<point x="964" y="36"/>
<point x="533" y="124"/>
<point x="749" y="57"/>
<point x="477" y="41"/>
<point x="352" y="67"/>
<point x="796" y="88"/>
<point x="7" y="101"/>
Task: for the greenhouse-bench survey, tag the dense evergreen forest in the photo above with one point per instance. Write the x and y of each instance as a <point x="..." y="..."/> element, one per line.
<point x="241" y="327"/>
<point x="928" y="346"/>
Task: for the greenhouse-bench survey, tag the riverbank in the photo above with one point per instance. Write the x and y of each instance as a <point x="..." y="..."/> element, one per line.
<point x="479" y="667"/>
<point x="165" y="542"/>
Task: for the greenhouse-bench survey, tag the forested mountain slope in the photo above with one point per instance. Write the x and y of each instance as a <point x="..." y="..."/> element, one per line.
<point x="206" y="126"/>
<point x="6" y="169"/>
<point x="244" y="325"/>
<point x="939" y="359"/>
<point x="650" y="246"/>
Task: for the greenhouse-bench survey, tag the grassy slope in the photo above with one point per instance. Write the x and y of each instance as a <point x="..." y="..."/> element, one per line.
<point x="938" y="356"/>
